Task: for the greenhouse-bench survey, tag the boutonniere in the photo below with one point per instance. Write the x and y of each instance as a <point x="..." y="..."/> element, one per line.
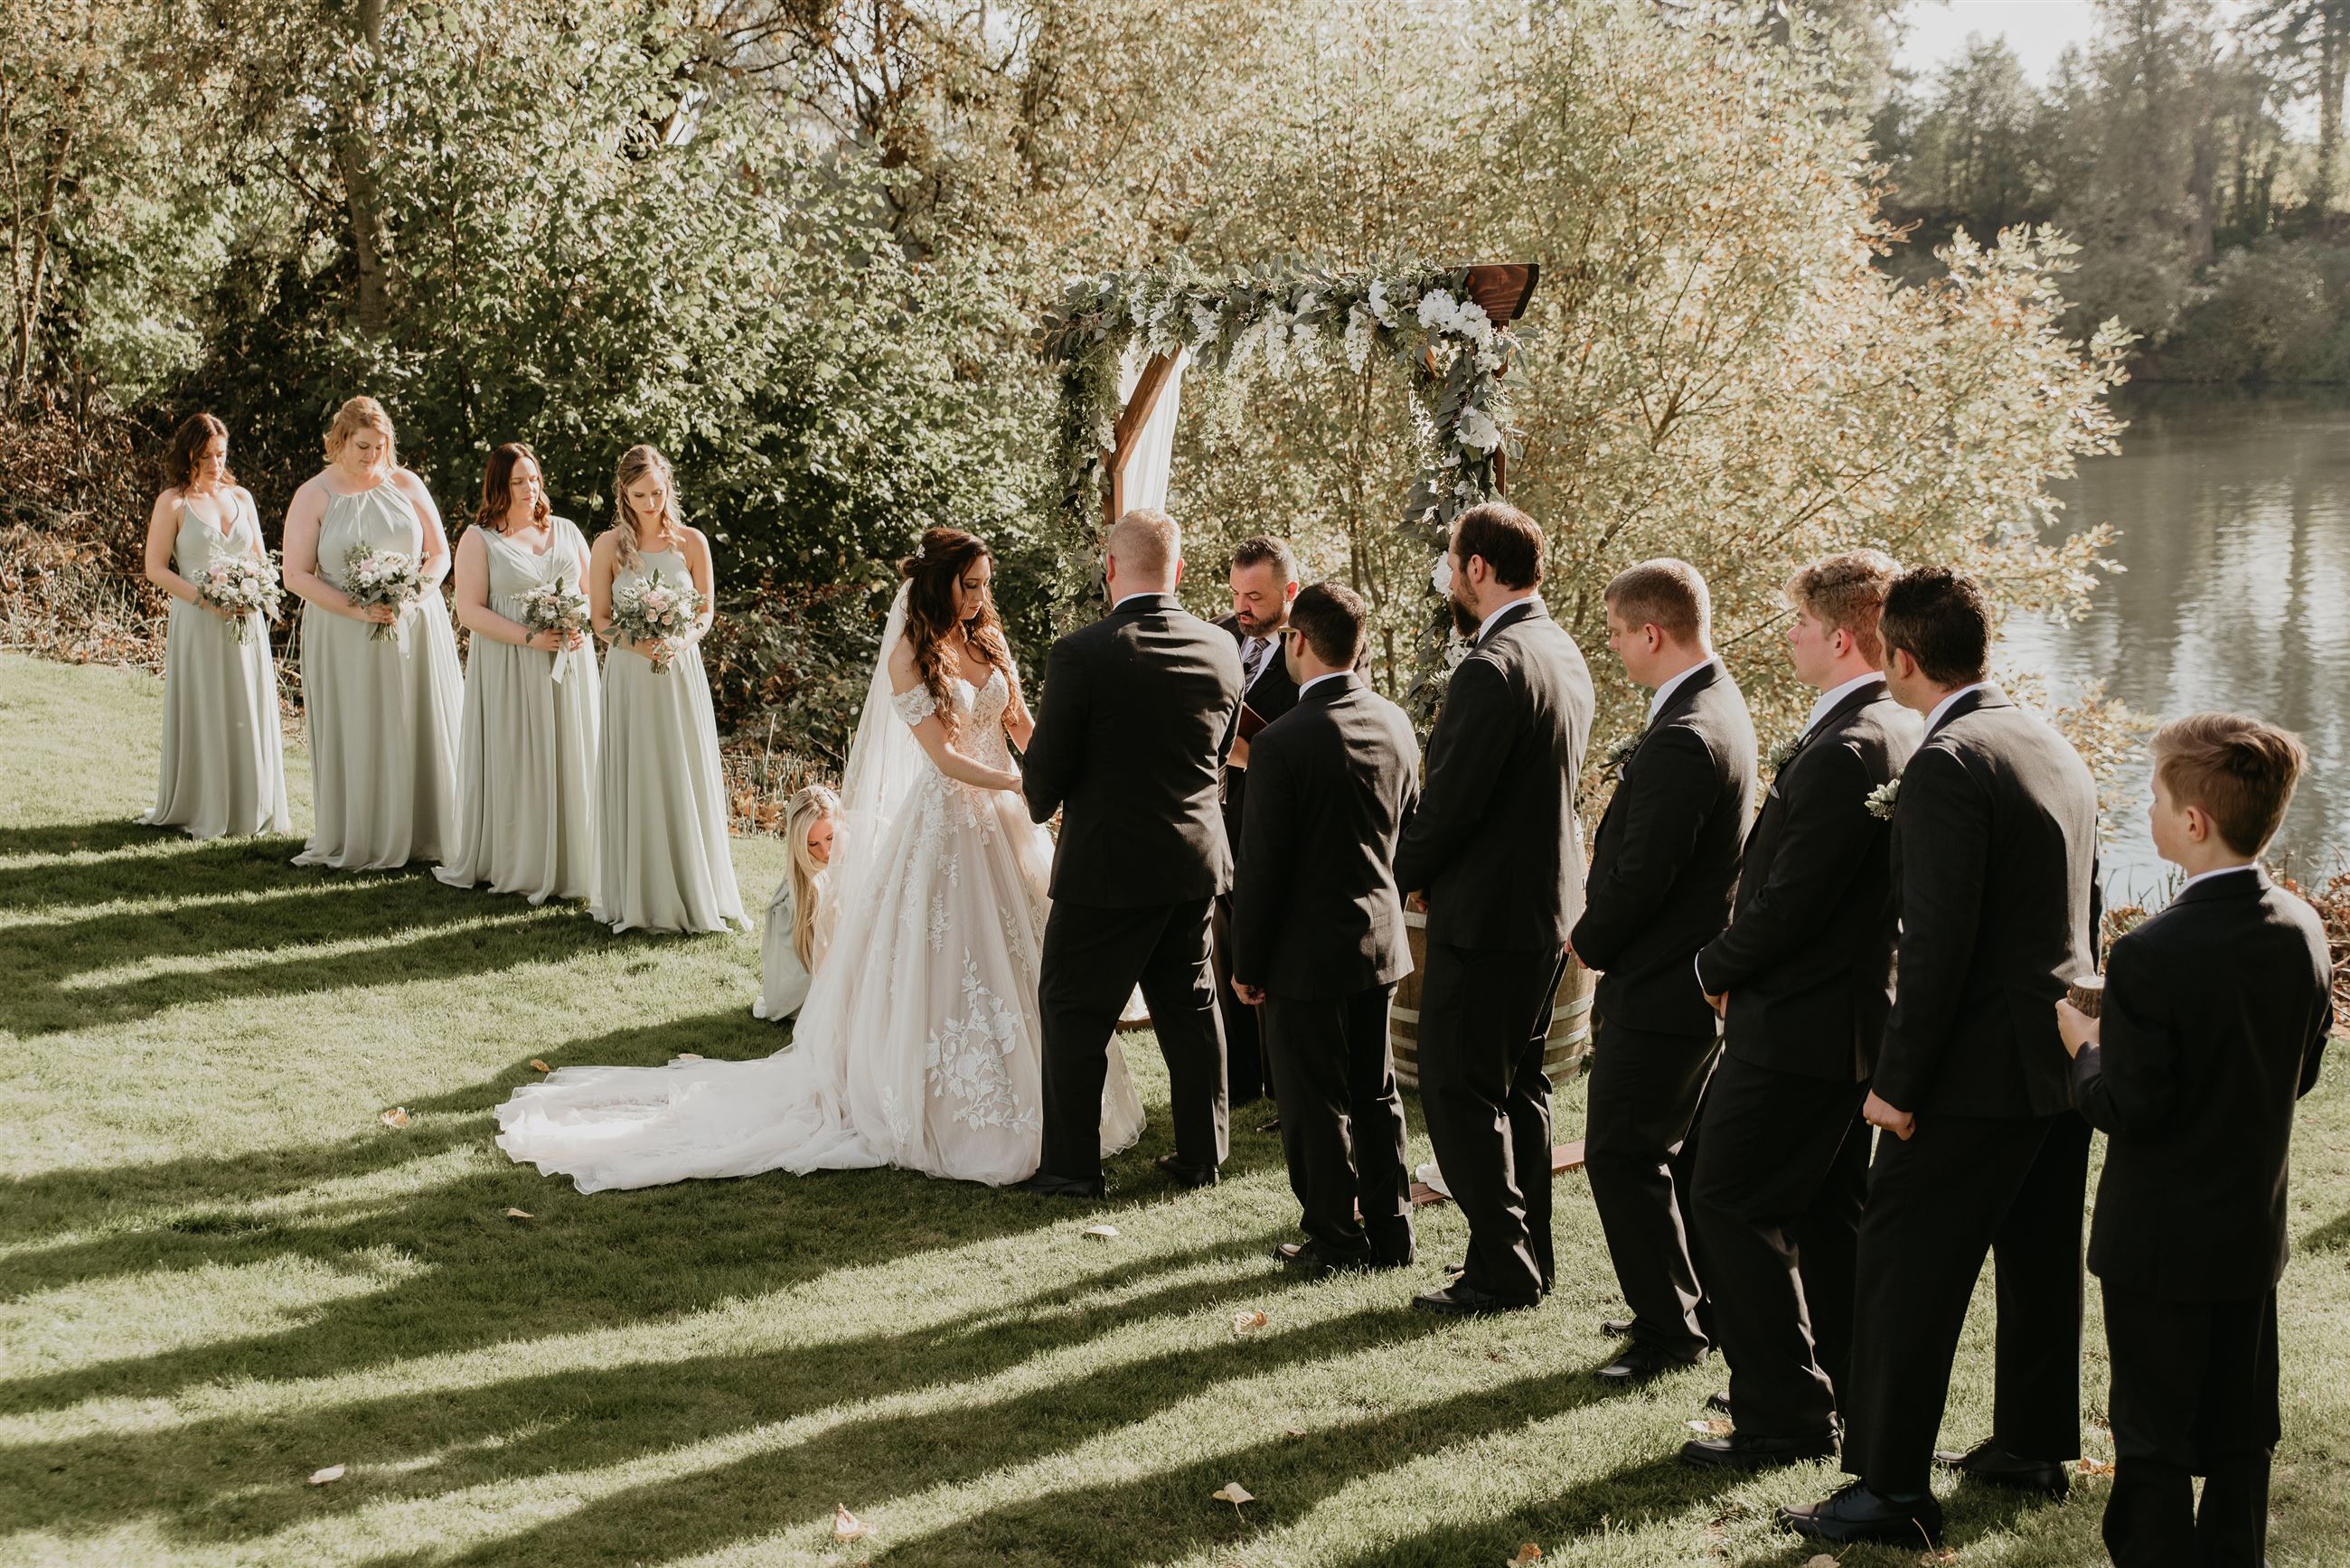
<point x="1780" y="755"/>
<point x="1882" y="799"/>
<point x="1620" y="752"/>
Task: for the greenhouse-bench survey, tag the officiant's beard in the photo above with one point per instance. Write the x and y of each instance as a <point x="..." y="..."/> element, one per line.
<point x="1465" y="620"/>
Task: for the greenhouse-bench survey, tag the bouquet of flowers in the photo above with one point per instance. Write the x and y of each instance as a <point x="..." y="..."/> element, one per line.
<point x="658" y="611"/>
<point x="556" y="608"/>
<point x="240" y="584"/>
<point x="373" y="578"/>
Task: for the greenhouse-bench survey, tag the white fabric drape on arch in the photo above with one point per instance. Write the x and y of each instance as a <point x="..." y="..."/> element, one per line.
<point x="1149" y="468"/>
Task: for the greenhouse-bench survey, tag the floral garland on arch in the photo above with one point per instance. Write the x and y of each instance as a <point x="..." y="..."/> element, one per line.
<point x="1462" y="366"/>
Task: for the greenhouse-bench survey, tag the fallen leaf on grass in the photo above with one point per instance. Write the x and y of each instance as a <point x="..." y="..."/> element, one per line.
<point x="1820" y="1560"/>
<point x="1249" y="1322"/>
<point x="1235" y="1494"/>
<point x="538" y="1066"/>
<point x="1715" y="1428"/>
<point x="688" y="1057"/>
<point x="331" y="1473"/>
<point x="1527" y="1553"/>
<point x="847" y="1526"/>
<point x="394" y="1117"/>
<point x="1935" y="1559"/>
<point x="520" y="1214"/>
<point x="1292" y="1431"/>
<point x="2097" y="1466"/>
<point x="1100" y="1233"/>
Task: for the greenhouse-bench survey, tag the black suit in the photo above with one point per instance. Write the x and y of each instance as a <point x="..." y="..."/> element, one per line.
<point x="2216" y="1016"/>
<point x="1994" y="862"/>
<point x="1270" y="695"/>
<point x="1136" y="718"/>
<point x="1663" y="867"/>
<point x="1317" y="923"/>
<point x="1783" y="1158"/>
<point x="1495" y="847"/>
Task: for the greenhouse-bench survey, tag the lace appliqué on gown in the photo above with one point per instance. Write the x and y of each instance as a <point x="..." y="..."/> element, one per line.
<point x="966" y="1060"/>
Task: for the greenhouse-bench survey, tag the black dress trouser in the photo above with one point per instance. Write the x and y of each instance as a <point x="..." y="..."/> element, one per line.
<point x="1093" y="959"/>
<point x="1640" y="1114"/>
<point x="1342" y="1127"/>
<point x="2194" y="1393"/>
<point x="1483" y="1017"/>
<point x="1248" y="1071"/>
<point x="1781" y="1174"/>
<point x="1959" y="1188"/>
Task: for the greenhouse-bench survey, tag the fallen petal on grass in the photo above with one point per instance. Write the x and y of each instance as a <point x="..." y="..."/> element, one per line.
<point x="1820" y="1560"/>
<point x="331" y="1473"/>
<point x="847" y="1526"/>
<point x="1715" y="1427"/>
<point x="1236" y="1494"/>
<point x="1527" y="1553"/>
<point x="1100" y="1233"/>
<point x="395" y="1117"/>
<point x="520" y="1214"/>
<point x="1249" y="1322"/>
<point x="2097" y="1466"/>
<point x="539" y="1067"/>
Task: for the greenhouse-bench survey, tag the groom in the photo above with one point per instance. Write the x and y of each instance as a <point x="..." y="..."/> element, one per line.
<point x="1138" y="718"/>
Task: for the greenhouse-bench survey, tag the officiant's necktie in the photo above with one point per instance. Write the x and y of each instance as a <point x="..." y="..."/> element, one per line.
<point x="1252" y="662"/>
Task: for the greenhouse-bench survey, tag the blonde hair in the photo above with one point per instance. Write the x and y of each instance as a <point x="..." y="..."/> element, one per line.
<point x="361" y="414"/>
<point x="634" y="464"/>
<point x="2237" y="768"/>
<point x="1846" y="593"/>
<point x="807" y="808"/>
<point x="1147" y="543"/>
<point x="1665" y="592"/>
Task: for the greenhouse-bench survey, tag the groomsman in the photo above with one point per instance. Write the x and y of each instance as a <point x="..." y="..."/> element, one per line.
<point x="2214" y="1023"/>
<point x="1319" y="937"/>
<point x="1995" y="859"/>
<point x="1807" y="966"/>
<point x="1263" y="581"/>
<point x="1495" y="858"/>
<point x="1662" y="868"/>
<point x="1138" y="715"/>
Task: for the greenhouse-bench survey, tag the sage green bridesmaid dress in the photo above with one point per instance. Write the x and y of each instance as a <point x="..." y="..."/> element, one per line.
<point x="660" y="807"/>
<point x="526" y="747"/>
<point x="381" y="713"/>
<point x="223" y="755"/>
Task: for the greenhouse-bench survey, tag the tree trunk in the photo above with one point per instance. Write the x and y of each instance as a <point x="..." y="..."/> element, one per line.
<point x="355" y="164"/>
<point x="28" y="301"/>
<point x="2331" y="23"/>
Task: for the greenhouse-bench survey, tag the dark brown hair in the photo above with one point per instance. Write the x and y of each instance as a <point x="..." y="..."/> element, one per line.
<point x="932" y="572"/>
<point x="187" y="443"/>
<point x="1331" y="617"/>
<point x="1667" y="594"/>
<point x="495" y="479"/>
<point x="1846" y="593"/>
<point x="1507" y="540"/>
<point x="2237" y="768"/>
<point x="1940" y="617"/>
<point x="1263" y="548"/>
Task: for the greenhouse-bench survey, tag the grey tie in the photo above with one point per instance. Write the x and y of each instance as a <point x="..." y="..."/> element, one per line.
<point x="1252" y="661"/>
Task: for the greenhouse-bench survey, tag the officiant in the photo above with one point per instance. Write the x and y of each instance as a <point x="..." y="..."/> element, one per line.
<point x="1263" y="579"/>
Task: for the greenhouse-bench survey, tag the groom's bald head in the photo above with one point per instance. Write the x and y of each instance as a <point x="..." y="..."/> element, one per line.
<point x="1147" y="550"/>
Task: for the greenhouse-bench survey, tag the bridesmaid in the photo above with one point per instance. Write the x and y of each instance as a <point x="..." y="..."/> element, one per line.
<point x="661" y="805"/>
<point x="223" y="755"/>
<point x="381" y="714"/>
<point x="526" y="751"/>
<point x="800" y="916"/>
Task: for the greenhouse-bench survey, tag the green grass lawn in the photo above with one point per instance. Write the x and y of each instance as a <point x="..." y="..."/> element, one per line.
<point x="220" y="1272"/>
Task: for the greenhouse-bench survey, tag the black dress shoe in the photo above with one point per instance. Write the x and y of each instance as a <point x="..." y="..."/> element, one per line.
<point x="1639" y="1364"/>
<point x="1187" y="1175"/>
<point x="1061" y="1187"/>
<point x="1852" y="1513"/>
<point x="1309" y="1260"/>
<point x="1615" y="1327"/>
<point x="1459" y="1300"/>
<point x="1719" y="1400"/>
<point x="1988" y="1461"/>
<point x="1739" y="1452"/>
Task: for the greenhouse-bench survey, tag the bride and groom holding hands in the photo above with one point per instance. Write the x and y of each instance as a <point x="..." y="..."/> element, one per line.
<point x="963" y="1022"/>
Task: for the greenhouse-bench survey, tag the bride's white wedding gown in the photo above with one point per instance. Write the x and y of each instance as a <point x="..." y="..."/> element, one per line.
<point x="920" y="1045"/>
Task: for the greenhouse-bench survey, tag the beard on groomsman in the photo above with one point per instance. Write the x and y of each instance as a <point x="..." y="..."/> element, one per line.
<point x="1495" y="858"/>
<point x="1263" y="580"/>
<point x="1318" y="937"/>
<point x="1663" y="864"/>
<point x="1994" y="865"/>
<point x="1782" y="1160"/>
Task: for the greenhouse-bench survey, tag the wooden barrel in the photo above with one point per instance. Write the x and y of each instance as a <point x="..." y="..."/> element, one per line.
<point x="1570" y="1015"/>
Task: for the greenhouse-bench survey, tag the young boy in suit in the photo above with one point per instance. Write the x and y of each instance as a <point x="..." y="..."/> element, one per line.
<point x="2214" y="1020"/>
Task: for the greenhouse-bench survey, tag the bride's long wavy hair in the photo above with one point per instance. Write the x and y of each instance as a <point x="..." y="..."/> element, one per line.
<point x="932" y="572"/>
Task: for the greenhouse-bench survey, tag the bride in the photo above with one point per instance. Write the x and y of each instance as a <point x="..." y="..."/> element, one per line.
<point x="919" y="1045"/>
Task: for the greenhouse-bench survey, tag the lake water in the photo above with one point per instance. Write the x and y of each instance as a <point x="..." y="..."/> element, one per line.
<point x="2235" y="516"/>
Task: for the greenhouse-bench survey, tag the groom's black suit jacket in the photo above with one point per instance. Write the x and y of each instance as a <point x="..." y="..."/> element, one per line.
<point x="1996" y="864"/>
<point x="1807" y="959"/>
<point x="1316" y="912"/>
<point x="1133" y="726"/>
<point x="1495" y="845"/>
<point x="1666" y="854"/>
<point x="2215" y="1022"/>
<point x="1271" y="694"/>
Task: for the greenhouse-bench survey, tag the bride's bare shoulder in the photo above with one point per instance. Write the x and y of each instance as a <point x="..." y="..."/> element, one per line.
<point x="904" y="665"/>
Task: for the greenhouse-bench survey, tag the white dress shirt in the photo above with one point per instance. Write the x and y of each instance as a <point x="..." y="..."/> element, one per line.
<point x="2216" y="871"/>
<point x="1487" y="624"/>
<point x="1317" y="680"/>
<point x="1657" y="702"/>
<point x="1943" y="707"/>
<point x="1834" y="695"/>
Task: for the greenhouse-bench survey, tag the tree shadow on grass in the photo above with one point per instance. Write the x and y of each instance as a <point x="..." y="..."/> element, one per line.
<point x="106" y="836"/>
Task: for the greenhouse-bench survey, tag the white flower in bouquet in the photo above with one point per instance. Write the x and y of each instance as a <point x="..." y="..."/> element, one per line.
<point x="381" y="579"/>
<point x="1883" y="797"/>
<point x="658" y="611"/>
<point x="241" y="584"/>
